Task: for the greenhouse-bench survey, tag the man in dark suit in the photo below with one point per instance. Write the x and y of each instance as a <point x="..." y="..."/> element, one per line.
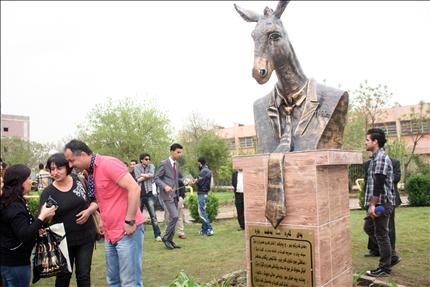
<point x="167" y="179"/>
<point x="373" y="246"/>
<point x="237" y="183"/>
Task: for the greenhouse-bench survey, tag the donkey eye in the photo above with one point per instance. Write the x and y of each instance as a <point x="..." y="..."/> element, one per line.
<point x="274" y="36"/>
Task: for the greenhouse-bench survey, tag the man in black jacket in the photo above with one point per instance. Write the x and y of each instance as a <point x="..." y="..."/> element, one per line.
<point x="203" y="186"/>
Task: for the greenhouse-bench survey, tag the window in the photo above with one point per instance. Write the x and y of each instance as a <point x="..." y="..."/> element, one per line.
<point x="5" y="129"/>
<point x="389" y="128"/>
<point x="231" y="143"/>
<point x="414" y="127"/>
<point x="247" y="142"/>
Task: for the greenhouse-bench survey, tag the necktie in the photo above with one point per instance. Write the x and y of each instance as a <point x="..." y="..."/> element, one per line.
<point x="91" y="183"/>
<point x="174" y="169"/>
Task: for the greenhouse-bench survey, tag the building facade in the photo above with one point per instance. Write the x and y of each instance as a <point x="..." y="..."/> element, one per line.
<point x="240" y="138"/>
<point x="15" y="126"/>
<point x="398" y="124"/>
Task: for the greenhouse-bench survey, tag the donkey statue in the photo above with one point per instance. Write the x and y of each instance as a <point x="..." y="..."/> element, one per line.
<point x="298" y="114"/>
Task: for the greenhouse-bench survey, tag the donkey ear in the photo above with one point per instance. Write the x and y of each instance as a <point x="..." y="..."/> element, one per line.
<point x="247" y="15"/>
<point x="280" y="8"/>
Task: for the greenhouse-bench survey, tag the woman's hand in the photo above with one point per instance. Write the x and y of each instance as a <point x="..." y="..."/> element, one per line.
<point x="46" y="212"/>
<point x="83" y="216"/>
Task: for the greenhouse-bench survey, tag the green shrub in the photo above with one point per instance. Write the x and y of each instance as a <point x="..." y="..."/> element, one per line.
<point x="211" y="207"/>
<point x="418" y="189"/>
<point x="183" y="280"/>
<point x="33" y="204"/>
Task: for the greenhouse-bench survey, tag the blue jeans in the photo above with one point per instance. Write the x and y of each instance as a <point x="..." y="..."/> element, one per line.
<point x="124" y="260"/>
<point x="15" y="276"/>
<point x="149" y="203"/>
<point x="206" y="226"/>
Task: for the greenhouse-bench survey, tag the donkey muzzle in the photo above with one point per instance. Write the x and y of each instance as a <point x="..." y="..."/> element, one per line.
<point x="262" y="70"/>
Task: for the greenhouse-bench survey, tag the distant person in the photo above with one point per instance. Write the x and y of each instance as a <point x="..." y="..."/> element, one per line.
<point x="110" y="182"/>
<point x="237" y="183"/>
<point x="203" y="187"/>
<point x="166" y="178"/>
<point x="18" y="227"/>
<point x="144" y="174"/>
<point x="379" y="192"/>
<point x="133" y="164"/>
<point x="373" y="245"/>
<point x="42" y="178"/>
<point x="75" y="212"/>
<point x="180" y="225"/>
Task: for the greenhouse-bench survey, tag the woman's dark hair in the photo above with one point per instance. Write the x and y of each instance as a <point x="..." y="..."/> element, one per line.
<point x="13" y="178"/>
<point x="59" y="160"/>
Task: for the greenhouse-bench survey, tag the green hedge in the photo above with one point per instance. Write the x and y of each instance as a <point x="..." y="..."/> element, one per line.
<point x="33" y="204"/>
<point x="418" y="189"/>
<point x="211" y="207"/>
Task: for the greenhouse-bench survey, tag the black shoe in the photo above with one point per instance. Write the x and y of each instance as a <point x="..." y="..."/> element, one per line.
<point x="378" y="272"/>
<point x="371" y="253"/>
<point x="168" y="244"/>
<point x="174" y="244"/>
<point x="395" y="260"/>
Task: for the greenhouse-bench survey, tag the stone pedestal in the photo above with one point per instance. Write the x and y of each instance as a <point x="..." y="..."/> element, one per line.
<point x="317" y="201"/>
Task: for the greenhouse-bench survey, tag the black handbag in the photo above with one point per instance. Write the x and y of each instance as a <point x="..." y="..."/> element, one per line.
<point x="48" y="260"/>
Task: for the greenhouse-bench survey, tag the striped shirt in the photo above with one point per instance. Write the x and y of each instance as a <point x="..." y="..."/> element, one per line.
<point x="380" y="163"/>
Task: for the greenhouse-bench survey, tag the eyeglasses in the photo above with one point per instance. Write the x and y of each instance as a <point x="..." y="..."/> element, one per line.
<point x="147" y="158"/>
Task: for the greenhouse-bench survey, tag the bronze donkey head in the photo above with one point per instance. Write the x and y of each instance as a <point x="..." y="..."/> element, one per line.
<point x="273" y="50"/>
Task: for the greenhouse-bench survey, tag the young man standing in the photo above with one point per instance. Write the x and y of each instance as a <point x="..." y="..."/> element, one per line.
<point x="203" y="186"/>
<point x="117" y="194"/>
<point x="167" y="179"/>
<point x="144" y="173"/>
<point x="379" y="192"/>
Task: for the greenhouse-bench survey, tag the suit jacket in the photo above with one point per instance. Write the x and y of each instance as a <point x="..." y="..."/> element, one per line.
<point x="320" y="126"/>
<point x="164" y="176"/>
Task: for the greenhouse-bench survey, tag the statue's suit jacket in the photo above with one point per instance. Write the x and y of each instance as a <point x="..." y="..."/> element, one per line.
<point x="165" y="176"/>
<point x="320" y="126"/>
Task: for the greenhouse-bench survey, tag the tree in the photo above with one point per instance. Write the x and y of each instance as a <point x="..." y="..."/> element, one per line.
<point x="419" y="121"/>
<point x="30" y="153"/>
<point x="125" y="129"/>
<point x="199" y="139"/>
<point x="370" y="101"/>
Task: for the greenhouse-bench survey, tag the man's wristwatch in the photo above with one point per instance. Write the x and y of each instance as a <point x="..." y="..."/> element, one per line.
<point x="130" y="222"/>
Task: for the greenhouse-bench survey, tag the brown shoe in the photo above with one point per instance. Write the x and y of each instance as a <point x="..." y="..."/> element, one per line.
<point x="182" y="236"/>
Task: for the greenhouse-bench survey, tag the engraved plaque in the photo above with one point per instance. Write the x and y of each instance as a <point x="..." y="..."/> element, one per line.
<point x="281" y="257"/>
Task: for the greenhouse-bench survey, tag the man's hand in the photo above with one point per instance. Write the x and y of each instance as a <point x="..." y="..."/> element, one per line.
<point x="128" y="229"/>
<point x="83" y="216"/>
<point x="371" y="211"/>
<point x="168" y="189"/>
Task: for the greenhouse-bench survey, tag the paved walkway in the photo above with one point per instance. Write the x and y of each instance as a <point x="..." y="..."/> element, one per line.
<point x="227" y="212"/>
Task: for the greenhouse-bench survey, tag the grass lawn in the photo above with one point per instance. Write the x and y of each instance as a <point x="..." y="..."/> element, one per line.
<point x="206" y="258"/>
<point x="225" y="197"/>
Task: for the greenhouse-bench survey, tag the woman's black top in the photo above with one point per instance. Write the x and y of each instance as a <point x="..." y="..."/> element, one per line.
<point x="70" y="203"/>
<point x="18" y="231"/>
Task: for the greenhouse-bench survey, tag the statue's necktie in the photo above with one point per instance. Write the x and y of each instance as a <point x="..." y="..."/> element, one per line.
<point x="275" y="201"/>
<point x="285" y="139"/>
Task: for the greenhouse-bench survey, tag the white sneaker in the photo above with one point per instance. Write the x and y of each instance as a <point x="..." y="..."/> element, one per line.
<point x="158" y="238"/>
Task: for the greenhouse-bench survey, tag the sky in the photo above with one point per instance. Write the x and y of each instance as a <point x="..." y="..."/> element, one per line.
<point x="59" y="59"/>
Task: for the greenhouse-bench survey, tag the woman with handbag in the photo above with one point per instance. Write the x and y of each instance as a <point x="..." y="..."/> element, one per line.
<point x="76" y="215"/>
<point x="18" y="228"/>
